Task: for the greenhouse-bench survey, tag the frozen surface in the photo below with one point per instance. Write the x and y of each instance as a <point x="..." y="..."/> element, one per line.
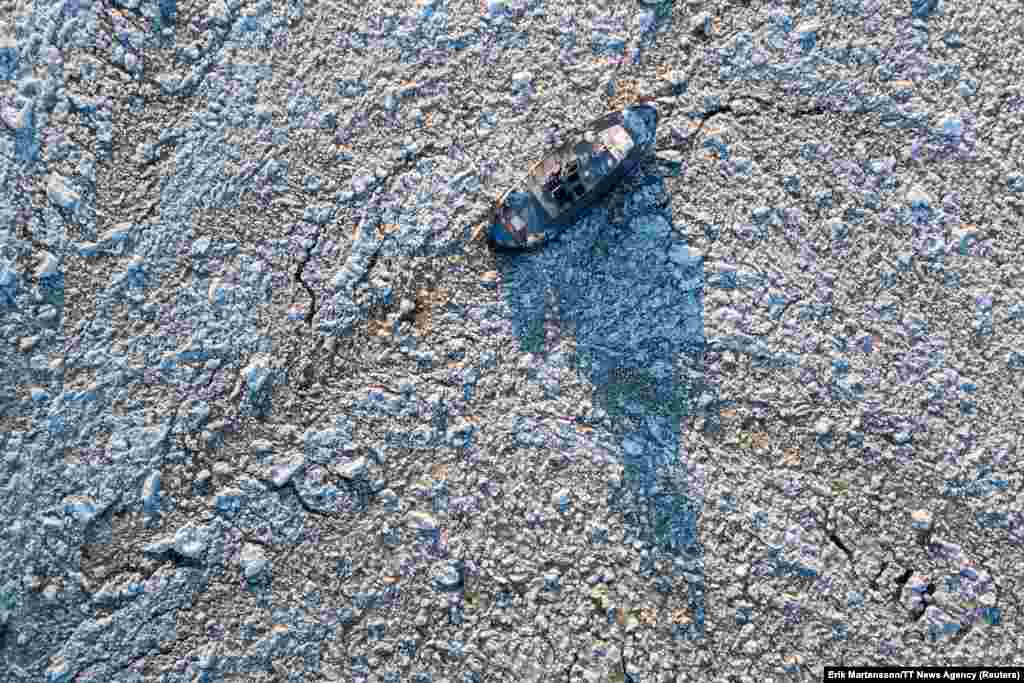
<point x="269" y="413"/>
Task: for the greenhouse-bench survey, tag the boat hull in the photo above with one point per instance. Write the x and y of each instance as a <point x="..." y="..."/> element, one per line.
<point x="572" y="178"/>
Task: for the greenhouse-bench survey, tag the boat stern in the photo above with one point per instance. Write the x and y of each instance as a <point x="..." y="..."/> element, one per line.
<point x="516" y="223"/>
<point x="501" y="235"/>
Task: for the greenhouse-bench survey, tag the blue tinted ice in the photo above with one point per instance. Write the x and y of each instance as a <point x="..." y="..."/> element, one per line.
<point x="640" y="125"/>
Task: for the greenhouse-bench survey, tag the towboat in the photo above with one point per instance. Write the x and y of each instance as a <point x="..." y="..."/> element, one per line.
<point x="571" y="178"/>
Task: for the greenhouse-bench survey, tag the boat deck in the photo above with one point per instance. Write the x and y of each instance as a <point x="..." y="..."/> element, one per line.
<point x="571" y="178"/>
<point x="581" y="167"/>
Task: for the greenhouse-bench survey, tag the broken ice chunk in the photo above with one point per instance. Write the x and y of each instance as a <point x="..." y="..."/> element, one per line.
<point x="253" y="560"/>
<point x="282" y="472"/>
<point x="256" y="374"/>
<point x="218" y="292"/>
<point x="916" y="197"/>
<point x="422" y="521"/>
<point x="353" y="469"/>
<point x="229" y="501"/>
<point x="448" y="577"/>
<point x="60" y="193"/>
<point x="48" y="266"/>
<point x="151" y="494"/>
<point x="201" y="246"/>
<point x="82" y="508"/>
<point x="190" y="541"/>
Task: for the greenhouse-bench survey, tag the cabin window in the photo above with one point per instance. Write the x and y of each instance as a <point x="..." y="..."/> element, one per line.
<point x="565" y="187"/>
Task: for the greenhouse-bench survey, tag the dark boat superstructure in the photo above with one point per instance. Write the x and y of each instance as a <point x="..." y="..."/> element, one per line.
<point x="573" y="177"/>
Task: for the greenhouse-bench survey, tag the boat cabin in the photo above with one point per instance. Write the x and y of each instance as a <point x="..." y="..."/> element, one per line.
<point x="571" y="178"/>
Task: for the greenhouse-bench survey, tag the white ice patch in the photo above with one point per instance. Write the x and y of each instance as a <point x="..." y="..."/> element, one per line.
<point x="191" y="541"/>
<point x="48" y="266"/>
<point x="60" y="193"/>
<point x="253" y="560"/>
